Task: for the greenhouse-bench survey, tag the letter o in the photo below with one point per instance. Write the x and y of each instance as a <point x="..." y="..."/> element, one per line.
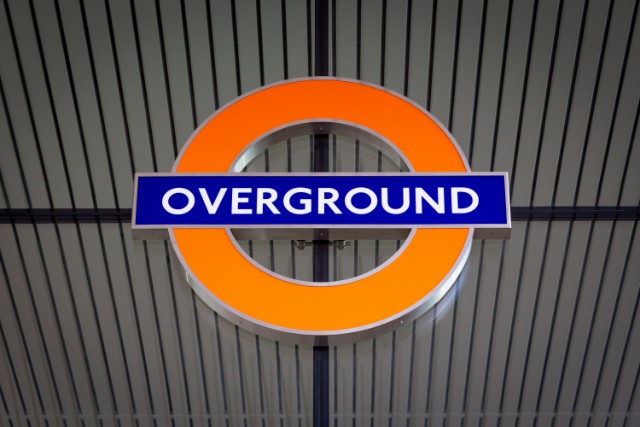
<point x="191" y="200"/>
<point x="348" y="200"/>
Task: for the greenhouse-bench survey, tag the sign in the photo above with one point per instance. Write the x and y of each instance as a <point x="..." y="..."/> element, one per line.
<point x="321" y="201"/>
<point x="204" y="196"/>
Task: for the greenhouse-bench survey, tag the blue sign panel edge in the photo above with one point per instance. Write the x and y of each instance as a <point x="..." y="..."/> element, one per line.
<point x="491" y="228"/>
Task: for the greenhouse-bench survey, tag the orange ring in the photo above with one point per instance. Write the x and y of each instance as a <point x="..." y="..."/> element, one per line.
<point x="427" y="266"/>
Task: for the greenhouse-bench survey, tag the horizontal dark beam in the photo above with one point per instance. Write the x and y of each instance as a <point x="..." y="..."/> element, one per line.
<point x="535" y="213"/>
<point x="47" y="216"/>
<point x="569" y="213"/>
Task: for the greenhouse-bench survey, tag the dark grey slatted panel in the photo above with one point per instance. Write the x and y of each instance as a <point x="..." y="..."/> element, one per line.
<point x="573" y="117"/>
<point x="587" y="80"/>
<point x="130" y="125"/>
<point x="444" y="56"/>
<point x="161" y="323"/>
<point x="491" y="73"/>
<point x="460" y="345"/>
<point x="467" y="74"/>
<point x="404" y="369"/>
<point x="154" y="365"/>
<point x="15" y="194"/>
<point x="213" y="381"/>
<point x="527" y="298"/>
<point x="522" y="80"/>
<point x="489" y="284"/>
<point x="620" y="234"/>
<point x="47" y="123"/>
<point x="20" y="115"/>
<point x="567" y="369"/>
<point x="617" y="314"/>
<point x="71" y="71"/>
<point x="7" y="396"/>
<point x="628" y="194"/>
<point x="87" y="31"/>
<point x="371" y="15"/>
<point x="177" y="69"/>
<point x="203" y="70"/>
<point x="561" y="89"/>
<point x="271" y="371"/>
<point x="91" y="331"/>
<point x="128" y="313"/>
<point x="532" y="96"/>
<point x="176" y="61"/>
<point x="123" y="82"/>
<point x="501" y="332"/>
<point x="394" y="24"/>
<point x="346" y="51"/>
<point x="108" y="292"/>
<point x="516" y="370"/>
<point x="245" y="20"/>
<point x="55" y="352"/>
<point x="608" y="107"/>
<point x="592" y="289"/>
<point x="188" y="342"/>
<point x="546" y="287"/>
<point x="515" y="63"/>
<point x="107" y="50"/>
<point x="159" y="101"/>
<point x="224" y="41"/>
<point x="612" y="285"/>
<point x="8" y="156"/>
<point x="622" y="132"/>
<point x="272" y="21"/>
<point x="15" y="329"/>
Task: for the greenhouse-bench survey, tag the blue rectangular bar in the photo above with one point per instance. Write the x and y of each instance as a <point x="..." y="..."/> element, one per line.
<point x="358" y="200"/>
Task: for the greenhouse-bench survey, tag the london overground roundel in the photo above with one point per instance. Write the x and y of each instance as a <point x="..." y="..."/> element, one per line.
<point x="408" y="284"/>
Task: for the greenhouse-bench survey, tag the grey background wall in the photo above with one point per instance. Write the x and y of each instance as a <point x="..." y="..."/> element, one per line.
<point x="97" y="329"/>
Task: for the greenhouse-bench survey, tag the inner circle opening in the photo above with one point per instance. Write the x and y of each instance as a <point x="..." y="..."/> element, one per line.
<point x="288" y="252"/>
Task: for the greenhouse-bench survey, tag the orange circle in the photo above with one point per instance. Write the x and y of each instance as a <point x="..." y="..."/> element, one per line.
<point x="428" y="265"/>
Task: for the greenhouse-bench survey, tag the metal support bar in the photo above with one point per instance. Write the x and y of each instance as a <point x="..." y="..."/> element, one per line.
<point x="321" y="236"/>
<point x="321" y="65"/>
<point x="321" y="386"/>
<point x="534" y="213"/>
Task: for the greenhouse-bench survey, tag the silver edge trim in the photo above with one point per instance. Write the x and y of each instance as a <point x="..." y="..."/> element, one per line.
<point x="507" y="198"/>
<point x="134" y="225"/>
<point x="333" y="337"/>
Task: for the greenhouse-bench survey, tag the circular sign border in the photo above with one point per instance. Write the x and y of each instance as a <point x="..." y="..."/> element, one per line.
<point x="310" y="335"/>
<point x="328" y="126"/>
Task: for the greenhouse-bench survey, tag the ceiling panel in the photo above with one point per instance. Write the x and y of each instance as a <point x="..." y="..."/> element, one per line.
<point x="96" y="329"/>
<point x="101" y="327"/>
<point x="96" y="91"/>
<point x="514" y="84"/>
